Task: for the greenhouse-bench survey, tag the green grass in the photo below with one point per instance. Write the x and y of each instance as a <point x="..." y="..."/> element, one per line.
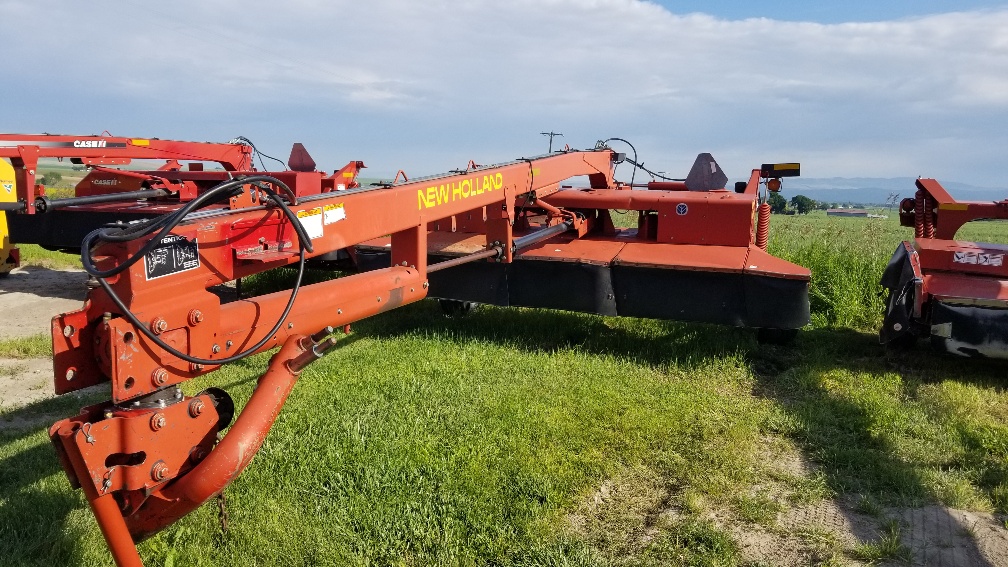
<point x="888" y="547"/>
<point x="478" y="440"/>
<point x="35" y="255"/>
<point x="36" y="346"/>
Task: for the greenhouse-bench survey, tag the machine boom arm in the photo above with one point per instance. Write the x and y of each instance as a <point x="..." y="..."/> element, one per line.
<point x="137" y="483"/>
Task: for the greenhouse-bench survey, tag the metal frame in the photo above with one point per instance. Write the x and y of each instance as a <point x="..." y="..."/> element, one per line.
<point x="149" y="455"/>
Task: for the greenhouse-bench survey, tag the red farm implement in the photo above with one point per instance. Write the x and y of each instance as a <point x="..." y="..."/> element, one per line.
<point x="952" y="291"/>
<point x="516" y="233"/>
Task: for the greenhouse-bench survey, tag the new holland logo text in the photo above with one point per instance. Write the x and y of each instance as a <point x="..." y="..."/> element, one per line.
<point x="457" y="190"/>
<point x="89" y="143"/>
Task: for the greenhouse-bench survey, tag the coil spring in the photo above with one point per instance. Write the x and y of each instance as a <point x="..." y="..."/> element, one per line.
<point x="929" y="217"/>
<point x="763" y="226"/>
<point x="919" y="214"/>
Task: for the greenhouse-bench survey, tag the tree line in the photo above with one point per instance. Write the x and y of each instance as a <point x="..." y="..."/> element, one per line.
<point x="798" y="204"/>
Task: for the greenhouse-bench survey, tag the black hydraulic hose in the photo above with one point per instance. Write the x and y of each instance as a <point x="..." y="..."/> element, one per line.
<point x="167" y="223"/>
<point x="633" y="173"/>
<point x="171" y="220"/>
<point x="15" y="207"/>
<point x="45" y="204"/>
<point x="208" y="361"/>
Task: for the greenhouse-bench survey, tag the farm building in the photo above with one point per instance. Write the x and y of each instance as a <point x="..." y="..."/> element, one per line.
<point x="846" y="213"/>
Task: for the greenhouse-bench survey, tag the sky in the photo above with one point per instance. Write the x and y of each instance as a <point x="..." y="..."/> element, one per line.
<point x="851" y="89"/>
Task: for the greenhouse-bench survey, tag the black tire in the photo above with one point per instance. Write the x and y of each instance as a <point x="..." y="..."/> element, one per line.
<point x="455" y="308"/>
<point x="768" y="336"/>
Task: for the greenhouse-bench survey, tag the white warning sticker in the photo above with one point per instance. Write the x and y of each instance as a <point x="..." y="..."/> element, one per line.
<point x="964" y="257"/>
<point x="990" y="259"/>
<point x="334" y="213"/>
<point x="311" y="220"/>
<point x="978" y="258"/>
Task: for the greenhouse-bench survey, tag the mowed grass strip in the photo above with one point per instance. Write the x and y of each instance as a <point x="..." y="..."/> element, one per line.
<point x="477" y="440"/>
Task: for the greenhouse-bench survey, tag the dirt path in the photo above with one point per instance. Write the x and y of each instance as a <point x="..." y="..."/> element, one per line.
<point x="627" y="512"/>
<point x="29" y="298"/>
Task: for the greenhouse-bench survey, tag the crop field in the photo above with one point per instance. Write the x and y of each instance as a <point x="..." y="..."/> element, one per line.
<point x="537" y="437"/>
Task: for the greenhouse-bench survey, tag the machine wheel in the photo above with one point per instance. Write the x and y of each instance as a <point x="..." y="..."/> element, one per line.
<point x="907" y="339"/>
<point x="455" y="308"/>
<point x="769" y="336"/>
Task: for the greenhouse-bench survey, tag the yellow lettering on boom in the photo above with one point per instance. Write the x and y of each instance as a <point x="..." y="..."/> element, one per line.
<point x="458" y="190"/>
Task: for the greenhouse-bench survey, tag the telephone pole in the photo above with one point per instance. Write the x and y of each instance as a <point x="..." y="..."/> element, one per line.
<point x="551" y="134"/>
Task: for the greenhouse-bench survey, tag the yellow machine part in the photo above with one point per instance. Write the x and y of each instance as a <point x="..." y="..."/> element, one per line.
<point x="9" y="256"/>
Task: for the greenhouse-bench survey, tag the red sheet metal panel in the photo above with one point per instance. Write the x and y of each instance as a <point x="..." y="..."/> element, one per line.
<point x="718" y="218"/>
<point x="683" y="256"/>
<point x="760" y="263"/>
<point x="566" y="249"/>
<point x="965" y="257"/>
<point x="946" y="286"/>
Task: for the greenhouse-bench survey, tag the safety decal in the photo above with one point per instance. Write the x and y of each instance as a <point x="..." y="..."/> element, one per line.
<point x="681" y="209"/>
<point x="311" y="220"/>
<point x="978" y="258"/>
<point x="174" y="254"/>
<point x="333" y="213"/>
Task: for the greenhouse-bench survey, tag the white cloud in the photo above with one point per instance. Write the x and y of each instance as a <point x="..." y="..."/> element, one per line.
<point x="484" y="77"/>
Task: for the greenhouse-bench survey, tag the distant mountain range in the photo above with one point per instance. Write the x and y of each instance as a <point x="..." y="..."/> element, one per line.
<point x="875" y="190"/>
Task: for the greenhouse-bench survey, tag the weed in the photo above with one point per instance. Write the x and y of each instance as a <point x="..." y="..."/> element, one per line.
<point x="692" y="542"/>
<point x="888" y="547"/>
<point x="822" y="540"/>
<point x="807" y="489"/>
<point x="868" y="506"/>
<point x="757" y="509"/>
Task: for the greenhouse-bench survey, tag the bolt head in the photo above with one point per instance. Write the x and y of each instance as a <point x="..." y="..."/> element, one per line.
<point x="159" y="471"/>
<point x="159" y="325"/>
<point x="216" y="349"/>
<point x="159" y="377"/>
<point x="158" y="421"/>
<point x="196" y="407"/>
<point x="195" y="317"/>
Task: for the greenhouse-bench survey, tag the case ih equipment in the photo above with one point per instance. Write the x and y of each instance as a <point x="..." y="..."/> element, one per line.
<point x="954" y="292"/>
<point x="509" y="234"/>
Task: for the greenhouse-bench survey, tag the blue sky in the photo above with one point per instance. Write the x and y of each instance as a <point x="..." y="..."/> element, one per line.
<point x="914" y="88"/>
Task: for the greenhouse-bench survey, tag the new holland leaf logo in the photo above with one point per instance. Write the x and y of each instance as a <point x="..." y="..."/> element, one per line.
<point x="9" y="187"/>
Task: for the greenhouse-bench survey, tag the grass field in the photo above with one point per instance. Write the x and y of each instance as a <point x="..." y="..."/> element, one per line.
<point x="533" y="437"/>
